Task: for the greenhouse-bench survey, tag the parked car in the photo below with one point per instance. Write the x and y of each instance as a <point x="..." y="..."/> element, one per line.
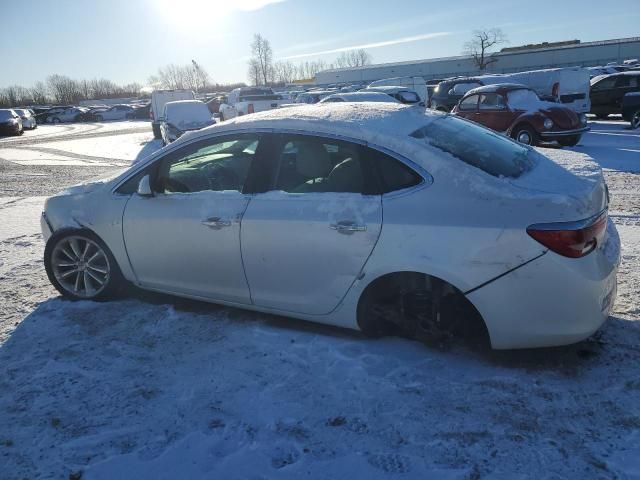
<point x="71" y="114"/>
<point x="415" y="84"/>
<point x="183" y="116"/>
<point x="246" y="100"/>
<point x="117" y="112"/>
<point x="10" y="123"/>
<point x="42" y="114"/>
<point x="361" y="96"/>
<point x="400" y="93"/>
<point x="631" y="109"/>
<point x="140" y="112"/>
<point x="215" y="102"/>
<point x="449" y="92"/>
<point x="568" y="86"/>
<point x="518" y="112"/>
<point x="282" y="212"/>
<point x="608" y="91"/>
<point x="312" y="97"/>
<point x="27" y="117"/>
<point x="158" y="100"/>
<point x="91" y="113"/>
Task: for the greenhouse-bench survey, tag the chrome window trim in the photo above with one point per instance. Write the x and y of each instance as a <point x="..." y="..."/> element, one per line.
<point x="427" y="178"/>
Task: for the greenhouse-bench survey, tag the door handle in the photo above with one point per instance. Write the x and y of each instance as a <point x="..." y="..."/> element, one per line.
<point x="216" y="222"/>
<point x="347" y="227"/>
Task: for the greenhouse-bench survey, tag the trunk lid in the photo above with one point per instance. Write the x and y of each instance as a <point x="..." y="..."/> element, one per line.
<point x="570" y="185"/>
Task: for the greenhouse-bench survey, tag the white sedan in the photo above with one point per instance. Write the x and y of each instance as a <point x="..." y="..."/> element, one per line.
<point x="117" y="112"/>
<point x="359" y="97"/>
<point x="372" y="216"/>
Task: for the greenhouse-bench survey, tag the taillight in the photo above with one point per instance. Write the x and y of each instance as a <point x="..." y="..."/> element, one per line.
<point x="250" y="108"/>
<point x="572" y="240"/>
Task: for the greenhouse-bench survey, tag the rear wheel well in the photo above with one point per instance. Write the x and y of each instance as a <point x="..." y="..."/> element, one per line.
<point x="419" y="306"/>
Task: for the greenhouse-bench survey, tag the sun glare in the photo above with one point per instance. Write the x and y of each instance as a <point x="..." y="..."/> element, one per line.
<point x="188" y="14"/>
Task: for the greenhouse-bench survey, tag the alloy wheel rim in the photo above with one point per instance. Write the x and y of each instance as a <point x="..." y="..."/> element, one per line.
<point x="80" y="266"/>
<point x="524" y="137"/>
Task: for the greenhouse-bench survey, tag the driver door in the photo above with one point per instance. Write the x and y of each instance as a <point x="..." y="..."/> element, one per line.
<point x="185" y="239"/>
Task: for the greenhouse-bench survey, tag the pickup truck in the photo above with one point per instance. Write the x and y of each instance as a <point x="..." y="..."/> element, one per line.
<point x="245" y="100"/>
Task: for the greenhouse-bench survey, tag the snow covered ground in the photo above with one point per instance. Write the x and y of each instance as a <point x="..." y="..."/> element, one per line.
<point x="153" y="387"/>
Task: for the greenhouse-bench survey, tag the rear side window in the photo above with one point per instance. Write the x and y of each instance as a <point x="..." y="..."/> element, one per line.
<point x="477" y="146"/>
<point x="394" y="175"/>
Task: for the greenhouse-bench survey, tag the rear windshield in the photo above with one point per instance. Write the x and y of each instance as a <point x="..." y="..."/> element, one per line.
<point x="477" y="146"/>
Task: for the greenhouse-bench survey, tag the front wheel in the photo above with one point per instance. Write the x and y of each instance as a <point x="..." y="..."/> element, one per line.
<point x="570" y="141"/>
<point x="81" y="267"/>
<point x="55" y="120"/>
<point x="635" y="119"/>
<point x="157" y="134"/>
<point x="525" y="134"/>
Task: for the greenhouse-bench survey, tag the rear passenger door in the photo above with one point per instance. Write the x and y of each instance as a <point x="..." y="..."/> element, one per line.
<point x="307" y="237"/>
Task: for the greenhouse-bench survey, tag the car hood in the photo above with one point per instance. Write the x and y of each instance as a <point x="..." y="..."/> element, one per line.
<point x="562" y="117"/>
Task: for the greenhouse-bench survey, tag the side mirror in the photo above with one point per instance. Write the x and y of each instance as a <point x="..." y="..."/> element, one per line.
<point x="144" y="187"/>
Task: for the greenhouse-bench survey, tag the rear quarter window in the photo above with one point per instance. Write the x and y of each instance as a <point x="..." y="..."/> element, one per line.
<point x="477" y="146"/>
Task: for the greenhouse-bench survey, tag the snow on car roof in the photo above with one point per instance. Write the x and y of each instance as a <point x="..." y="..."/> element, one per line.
<point x="362" y="96"/>
<point x="493" y="88"/>
<point x="364" y="120"/>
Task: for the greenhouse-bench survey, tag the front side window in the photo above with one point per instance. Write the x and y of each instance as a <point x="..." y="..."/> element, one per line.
<point x="469" y="103"/>
<point x="604" y="84"/>
<point x="217" y="165"/>
<point x="477" y="146"/>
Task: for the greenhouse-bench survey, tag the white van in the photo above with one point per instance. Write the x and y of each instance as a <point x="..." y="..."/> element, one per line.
<point x="568" y="86"/>
<point x="417" y="84"/>
<point x="159" y="98"/>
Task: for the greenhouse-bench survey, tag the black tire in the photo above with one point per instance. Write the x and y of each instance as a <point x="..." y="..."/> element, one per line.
<point x="635" y="119"/>
<point x="156" y="131"/>
<point x="55" y="120"/>
<point x="570" y="141"/>
<point x="59" y="250"/>
<point x="525" y="134"/>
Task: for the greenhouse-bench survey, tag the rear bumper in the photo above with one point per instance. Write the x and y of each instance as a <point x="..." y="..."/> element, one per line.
<point x="553" y="300"/>
<point x="564" y="133"/>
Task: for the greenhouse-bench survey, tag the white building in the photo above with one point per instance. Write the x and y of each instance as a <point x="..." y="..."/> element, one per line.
<point x="513" y="60"/>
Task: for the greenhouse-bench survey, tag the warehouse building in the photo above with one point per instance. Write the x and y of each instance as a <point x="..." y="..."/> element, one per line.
<point x="517" y="59"/>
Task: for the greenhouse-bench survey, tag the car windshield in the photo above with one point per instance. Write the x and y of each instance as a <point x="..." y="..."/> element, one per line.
<point x="477" y="146"/>
<point x="523" y="99"/>
<point x="5" y="115"/>
<point x="409" y="97"/>
<point x="21" y="112"/>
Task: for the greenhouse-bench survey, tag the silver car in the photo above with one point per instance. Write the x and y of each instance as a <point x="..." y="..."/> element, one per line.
<point x="371" y="216"/>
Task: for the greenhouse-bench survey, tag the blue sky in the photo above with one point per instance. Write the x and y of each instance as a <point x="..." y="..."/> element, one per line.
<point x="127" y="40"/>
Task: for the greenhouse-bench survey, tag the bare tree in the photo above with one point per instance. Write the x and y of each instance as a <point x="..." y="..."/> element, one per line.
<point x="353" y="58"/>
<point x="480" y="44"/>
<point x="63" y="89"/>
<point x="39" y="93"/>
<point x="201" y="76"/>
<point x="262" y="57"/>
<point x="284" y="72"/>
<point x="253" y="71"/>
